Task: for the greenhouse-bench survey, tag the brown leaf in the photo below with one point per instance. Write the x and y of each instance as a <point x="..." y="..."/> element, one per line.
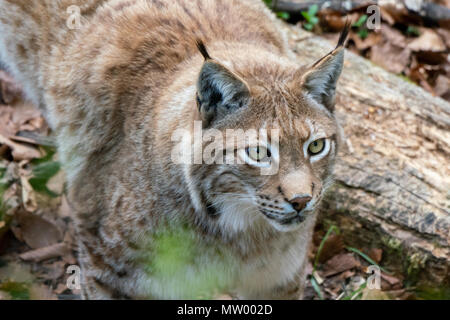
<point x="386" y="16"/>
<point x="391" y="57"/>
<point x="392" y="280"/>
<point x="61" y="288"/>
<point x="331" y="247"/>
<point x="393" y="36"/>
<point x="7" y="126"/>
<point x="346" y="274"/>
<point x="376" y="254"/>
<point x="373" y="294"/>
<point x="333" y="20"/>
<point x="20" y="151"/>
<point x="394" y="13"/>
<point x="431" y="58"/>
<point x="28" y="195"/>
<point x="340" y="263"/>
<point x="24" y="113"/>
<point x="23" y="116"/>
<point x="5" y="295"/>
<point x="363" y="44"/>
<point x="445" y="36"/>
<point x="36" y="231"/>
<point x="41" y="292"/>
<point x="428" y="40"/>
<point x="442" y="86"/>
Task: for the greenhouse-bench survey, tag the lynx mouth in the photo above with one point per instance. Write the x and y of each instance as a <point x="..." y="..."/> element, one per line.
<point x="285" y="219"/>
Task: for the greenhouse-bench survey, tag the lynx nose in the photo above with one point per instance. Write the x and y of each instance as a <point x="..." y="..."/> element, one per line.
<point x="300" y="202"/>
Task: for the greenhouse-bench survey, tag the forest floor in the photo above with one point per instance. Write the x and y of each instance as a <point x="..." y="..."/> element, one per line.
<point x="36" y="233"/>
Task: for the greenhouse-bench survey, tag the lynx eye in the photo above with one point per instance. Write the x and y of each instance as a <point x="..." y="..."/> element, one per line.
<point x="259" y="154"/>
<point x="316" y="147"/>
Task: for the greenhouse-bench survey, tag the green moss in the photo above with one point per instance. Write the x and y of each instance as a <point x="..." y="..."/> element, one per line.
<point x="392" y="243"/>
<point x="433" y="293"/>
<point x="17" y="290"/>
<point x="416" y="262"/>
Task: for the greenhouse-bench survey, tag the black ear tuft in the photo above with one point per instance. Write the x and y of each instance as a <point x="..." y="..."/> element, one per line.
<point x="202" y="48"/>
<point x="344" y="34"/>
<point x="321" y="78"/>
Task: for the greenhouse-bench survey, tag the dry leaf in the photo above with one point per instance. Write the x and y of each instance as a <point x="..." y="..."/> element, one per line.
<point x="363" y="44"/>
<point x="331" y="247"/>
<point x="376" y="254"/>
<point x="23" y="113"/>
<point x="393" y="36"/>
<point x="28" y="195"/>
<point x="392" y="280"/>
<point x="36" y="231"/>
<point x="21" y="151"/>
<point x="391" y="57"/>
<point x="386" y="16"/>
<point x="340" y="263"/>
<point x="46" y="253"/>
<point x="445" y="35"/>
<point x="54" y="270"/>
<point x="334" y="21"/>
<point x="373" y="294"/>
<point x="7" y="126"/>
<point x="346" y="274"/>
<point x="61" y="288"/>
<point x="442" y="86"/>
<point x="428" y="40"/>
<point x="41" y="292"/>
<point x="5" y="295"/>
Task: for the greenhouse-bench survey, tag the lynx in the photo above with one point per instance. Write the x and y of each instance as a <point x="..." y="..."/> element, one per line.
<point x="116" y="87"/>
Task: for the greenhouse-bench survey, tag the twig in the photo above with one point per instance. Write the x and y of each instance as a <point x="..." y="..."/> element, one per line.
<point x="46" y="253"/>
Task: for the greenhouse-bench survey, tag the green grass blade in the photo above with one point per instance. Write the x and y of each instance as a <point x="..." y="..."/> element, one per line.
<point x="322" y="243"/>
<point x="316" y="287"/>
<point x="360" y="22"/>
<point x="312" y="11"/>
<point x="367" y="258"/>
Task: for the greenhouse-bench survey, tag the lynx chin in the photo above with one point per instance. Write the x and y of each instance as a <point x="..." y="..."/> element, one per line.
<point x="116" y="88"/>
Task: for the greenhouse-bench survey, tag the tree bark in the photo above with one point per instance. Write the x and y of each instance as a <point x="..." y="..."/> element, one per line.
<point x="393" y="174"/>
<point x="424" y="9"/>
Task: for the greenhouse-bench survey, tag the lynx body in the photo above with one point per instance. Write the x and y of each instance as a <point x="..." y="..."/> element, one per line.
<point x="117" y="84"/>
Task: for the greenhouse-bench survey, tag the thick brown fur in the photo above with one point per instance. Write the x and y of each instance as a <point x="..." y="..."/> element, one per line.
<point x="115" y="90"/>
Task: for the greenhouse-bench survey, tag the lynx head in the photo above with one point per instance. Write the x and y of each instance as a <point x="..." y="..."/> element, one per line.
<point x="278" y="180"/>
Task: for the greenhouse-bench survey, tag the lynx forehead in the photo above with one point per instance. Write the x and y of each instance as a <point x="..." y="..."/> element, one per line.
<point x="118" y="87"/>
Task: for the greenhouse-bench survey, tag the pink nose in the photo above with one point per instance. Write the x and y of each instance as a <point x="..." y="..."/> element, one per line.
<point x="300" y="202"/>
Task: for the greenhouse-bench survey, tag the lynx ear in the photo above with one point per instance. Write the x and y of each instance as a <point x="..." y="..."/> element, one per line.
<point x="321" y="78"/>
<point x="219" y="91"/>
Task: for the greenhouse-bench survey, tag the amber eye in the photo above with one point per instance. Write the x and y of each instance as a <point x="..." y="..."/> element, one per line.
<point x="259" y="154"/>
<point x="316" y="147"/>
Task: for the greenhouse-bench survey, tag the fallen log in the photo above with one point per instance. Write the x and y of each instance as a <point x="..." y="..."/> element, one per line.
<point x="393" y="175"/>
<point x="429" y="11"/>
